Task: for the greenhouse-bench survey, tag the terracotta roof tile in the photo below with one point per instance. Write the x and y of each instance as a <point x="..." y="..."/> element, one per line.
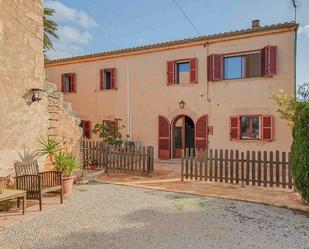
<point x="181" y="41"/>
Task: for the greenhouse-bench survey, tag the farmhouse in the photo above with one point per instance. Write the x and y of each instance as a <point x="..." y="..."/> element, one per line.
<point x="206" y="92"/>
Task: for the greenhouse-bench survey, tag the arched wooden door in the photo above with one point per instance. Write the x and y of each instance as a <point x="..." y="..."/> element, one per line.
<point x="164" y="138"/>
<point x="201" y="133"/>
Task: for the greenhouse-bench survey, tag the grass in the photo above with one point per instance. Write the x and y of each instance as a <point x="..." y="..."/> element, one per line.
<point x="180" y="203"/>
<point x="82" y="189"/>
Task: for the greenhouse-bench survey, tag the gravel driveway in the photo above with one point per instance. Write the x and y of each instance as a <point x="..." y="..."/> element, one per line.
<point x="110" y="216"/>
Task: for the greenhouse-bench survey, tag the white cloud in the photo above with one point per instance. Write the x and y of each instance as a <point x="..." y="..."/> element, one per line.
<point x="68" y="34"/>
<point x="73" y="30"/>
<point x="66" y="14"/>
<point x="304" y="30"/>
<point x="63" y="50"/>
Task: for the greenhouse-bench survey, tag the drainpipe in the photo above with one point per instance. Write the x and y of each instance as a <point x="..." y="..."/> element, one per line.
<point x="128" y="102"/>
<point x="295" y="61"/>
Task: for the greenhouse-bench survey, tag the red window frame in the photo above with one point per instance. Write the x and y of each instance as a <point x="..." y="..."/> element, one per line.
<point x="172" y="71"/>
<point x="72" y="82"/>
<point x="266" y="127"/>
<point x="112" y="72"/>
<point x="86" y="125"/>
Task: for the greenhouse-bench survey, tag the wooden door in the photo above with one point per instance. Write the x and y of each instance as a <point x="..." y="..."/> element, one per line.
<point x="201" y="133"/>
<point x="164" y="138"/>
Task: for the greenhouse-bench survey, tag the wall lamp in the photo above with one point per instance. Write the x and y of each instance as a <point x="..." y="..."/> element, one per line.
<point x="182" y="104"/>
<point x="37" y="94"/>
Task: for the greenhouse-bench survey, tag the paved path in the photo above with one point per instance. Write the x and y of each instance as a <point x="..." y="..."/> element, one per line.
<point x="167" y="177"/>
<point x="110" y="216"/>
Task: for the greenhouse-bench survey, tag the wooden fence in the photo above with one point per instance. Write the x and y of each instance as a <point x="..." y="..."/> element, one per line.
<point x="125" y="159"/>
<point x="268" y="169"/>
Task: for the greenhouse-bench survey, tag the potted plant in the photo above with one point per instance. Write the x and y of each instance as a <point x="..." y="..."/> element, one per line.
<point x="67" y="164"/>
<point x="61" y="161"/>
<point x="93" y="164"/>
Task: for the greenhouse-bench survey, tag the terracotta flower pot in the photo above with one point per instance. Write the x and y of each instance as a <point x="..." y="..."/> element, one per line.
<point x="2" y="184"/>
<point x="67" y="185"/>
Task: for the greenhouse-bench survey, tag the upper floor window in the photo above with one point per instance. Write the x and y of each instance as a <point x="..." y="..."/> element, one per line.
<point x="182" y="71"/>
<point x="108" y="79"/>
<point x="68" y="82"/>
<point x="242" y="66"/>
<point x="245" y="65"/>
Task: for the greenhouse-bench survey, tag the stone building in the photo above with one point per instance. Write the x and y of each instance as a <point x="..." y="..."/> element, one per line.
<point x="23" y="121"/>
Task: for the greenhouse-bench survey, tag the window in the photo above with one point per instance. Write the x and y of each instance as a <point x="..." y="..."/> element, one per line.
<point x="86" y="125"/>
<point x="234" y="67"/>
<point x="68" y="82"/>
<point x="256" y="63"/>
<point x="107" y="79"/>
<point x="250" y="127"/>
<point x="182" y="72"/>
<point x="244" y="66"/>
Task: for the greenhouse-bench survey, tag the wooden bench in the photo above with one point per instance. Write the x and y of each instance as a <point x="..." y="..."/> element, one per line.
<point x="9" y="194"/>
<point x="37" y="183"/>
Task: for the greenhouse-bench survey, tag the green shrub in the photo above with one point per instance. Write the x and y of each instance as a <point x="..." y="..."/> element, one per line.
<point x="300" y="150"/>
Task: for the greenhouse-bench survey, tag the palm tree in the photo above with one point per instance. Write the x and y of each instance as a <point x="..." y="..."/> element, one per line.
<point x="50" y="28"/>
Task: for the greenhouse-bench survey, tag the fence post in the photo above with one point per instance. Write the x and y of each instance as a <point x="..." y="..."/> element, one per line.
<point x="148" y="160"/>
<point x="182" y="166"/>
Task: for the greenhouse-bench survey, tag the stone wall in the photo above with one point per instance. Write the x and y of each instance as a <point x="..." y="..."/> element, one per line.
<point x="63" y="122"/>
<point x="22" y="121"/>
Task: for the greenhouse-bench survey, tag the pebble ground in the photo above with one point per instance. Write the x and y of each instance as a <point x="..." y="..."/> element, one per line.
<point x="110" y="216"/>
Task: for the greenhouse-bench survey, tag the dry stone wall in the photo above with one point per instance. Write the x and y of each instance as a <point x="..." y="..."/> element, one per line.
<point x="23" y="122"/>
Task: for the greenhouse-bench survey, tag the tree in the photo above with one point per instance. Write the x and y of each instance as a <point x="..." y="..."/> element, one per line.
<point x="288" y="104"/>
<point x="300" y="150"/>
<point x="50" y="28"/>
<point x="303" y="92"/>
<point x="110" y="132"/>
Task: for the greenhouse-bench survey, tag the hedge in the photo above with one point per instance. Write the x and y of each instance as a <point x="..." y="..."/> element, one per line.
<point x="300" y="150"/>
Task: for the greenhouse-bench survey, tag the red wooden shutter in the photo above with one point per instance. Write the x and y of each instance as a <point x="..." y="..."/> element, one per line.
<point x="113" y="78"/>
<point x="234" y="127"/>
<point x="201" y="133"/>
<point x="101" y="79"/>
<point x="82" y="125"/>
<point x="193" y="70"/>
<point x="87" y="129"/>
<point x="62" y="82"/>
<point x="215" y="67"/>
<point x="170" y="72"/>
<point x="267" y="127"/>
<point x="73" y="82"/>
<point x="269" y="60"/>
<point x="164" y="138"/>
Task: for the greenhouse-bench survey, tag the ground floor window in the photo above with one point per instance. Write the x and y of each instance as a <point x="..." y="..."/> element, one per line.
<point x="250" y="127"/>
<point x="86" y="125"/>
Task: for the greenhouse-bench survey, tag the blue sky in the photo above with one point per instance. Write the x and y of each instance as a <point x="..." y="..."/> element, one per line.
<point x="89" y="26"/>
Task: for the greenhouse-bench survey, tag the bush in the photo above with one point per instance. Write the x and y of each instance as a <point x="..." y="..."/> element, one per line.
<point x="300" y="150"/>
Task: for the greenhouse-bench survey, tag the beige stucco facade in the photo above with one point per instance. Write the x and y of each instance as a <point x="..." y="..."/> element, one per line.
<point x="142" y="92"/>
<point x="23" y="122"/>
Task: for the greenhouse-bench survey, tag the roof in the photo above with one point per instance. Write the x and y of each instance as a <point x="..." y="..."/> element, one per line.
<point x="291" y="24"/>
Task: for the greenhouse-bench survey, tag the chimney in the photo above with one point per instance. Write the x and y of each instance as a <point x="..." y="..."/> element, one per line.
<point x="255" y="24"/>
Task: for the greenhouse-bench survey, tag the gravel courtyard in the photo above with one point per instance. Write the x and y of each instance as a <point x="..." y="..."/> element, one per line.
<point x="110" y="216"/>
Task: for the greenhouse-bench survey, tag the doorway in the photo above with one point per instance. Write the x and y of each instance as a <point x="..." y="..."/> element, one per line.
<point x="182" y="135"/>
